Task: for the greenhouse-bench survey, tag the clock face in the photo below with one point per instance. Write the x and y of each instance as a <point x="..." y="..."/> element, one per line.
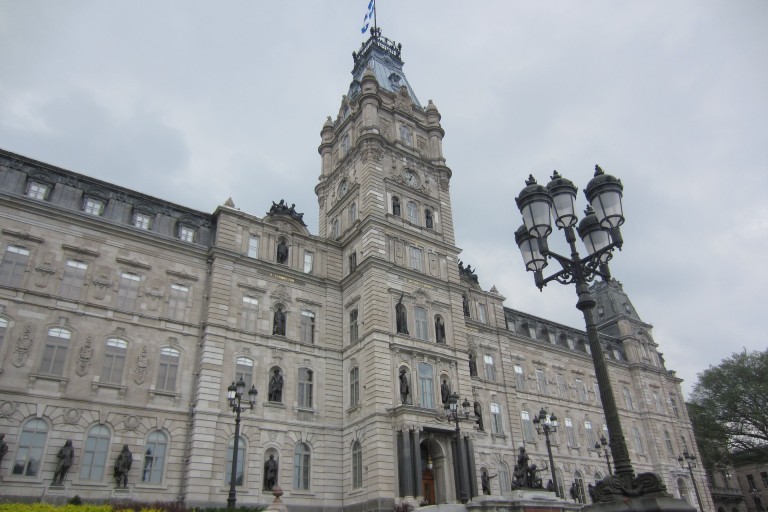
<point x="411" y="179"/>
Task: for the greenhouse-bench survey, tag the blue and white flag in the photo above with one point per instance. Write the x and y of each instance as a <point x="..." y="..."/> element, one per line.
<point x="369" y="16"/>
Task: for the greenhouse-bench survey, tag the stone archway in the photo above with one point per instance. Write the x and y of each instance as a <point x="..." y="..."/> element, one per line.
<point x="433" y="481"/>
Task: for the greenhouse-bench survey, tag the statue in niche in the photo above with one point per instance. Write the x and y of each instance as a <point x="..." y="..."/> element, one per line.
<point x="472" y="365"/>
<point x="439" y="330"/>
<point x="270" y="473"/>
<point x="445" y="391"/>
<point x="3" y="447"/>
<point x="479" y="415"/>
<point x="66" y="455"/>
<point x="465" y="304"/>
<point x="428" y="219"/>
<point x="405" y="387"/>
<point x="276" y="387"/>
<point x="396" y="206"/>
<point x="401" y="316"/>
<point x="279" y="322"/>
<point x="122" y="466"/>
<point x="485" y="480"/>
<point x="282" y="252"/>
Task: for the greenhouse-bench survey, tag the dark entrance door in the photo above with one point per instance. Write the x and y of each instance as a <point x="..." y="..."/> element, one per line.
<point x="428" y="486"/>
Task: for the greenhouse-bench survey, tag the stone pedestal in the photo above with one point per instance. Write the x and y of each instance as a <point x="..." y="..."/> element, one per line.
<point x="522" y="500"/>
<point x="277" y="505"/>
<point x="642" y="504"/>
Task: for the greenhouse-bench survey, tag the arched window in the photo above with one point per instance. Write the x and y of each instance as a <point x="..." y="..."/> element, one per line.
<point x="504" y="482"/>
<point x="682" y="490"/>
<point x="29" y="454"/>
<point x="94" y="458"/>
<point x="413" y="212"/>
<point x="154" y="458"/>
<point x="114" y="361"/>
<point x="357" y="465"/>
<point x="354" y="386"/>
<point x="301" y="461"/>
<point x="560" y="483"/>
<point x="244" y="370"/>
<point x="55" y="351"/>
<point x="580" y="491"/>
<point x="240" y="461"/>
<point x="427" y="385"/>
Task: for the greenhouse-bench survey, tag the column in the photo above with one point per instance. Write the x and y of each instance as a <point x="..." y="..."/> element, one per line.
<point x="416" y="456"/>
<point x="471" y="467"/>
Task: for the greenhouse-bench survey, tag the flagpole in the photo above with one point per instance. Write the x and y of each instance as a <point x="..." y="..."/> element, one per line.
<point x="375" y="25"/>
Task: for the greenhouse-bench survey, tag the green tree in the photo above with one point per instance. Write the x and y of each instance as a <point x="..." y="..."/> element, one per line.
<point x="730" y="402"/>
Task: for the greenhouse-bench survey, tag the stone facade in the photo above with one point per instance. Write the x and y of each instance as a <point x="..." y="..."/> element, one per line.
<point x="124" y="318"/>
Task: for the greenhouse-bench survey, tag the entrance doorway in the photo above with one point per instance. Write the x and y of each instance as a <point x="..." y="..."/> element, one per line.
<point x="433" y="488"/>
<point x="428" y="486"/>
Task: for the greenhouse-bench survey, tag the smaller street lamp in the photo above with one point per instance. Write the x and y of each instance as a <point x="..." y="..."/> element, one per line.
<point x="452" y="413"/>
<point x="235" y="393"/>
<point x="691" y="460"/>
<point x="547" y="424"/>
<point x="604" y="445"/>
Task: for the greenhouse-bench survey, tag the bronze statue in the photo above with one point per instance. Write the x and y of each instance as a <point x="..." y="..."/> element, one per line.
<point x="472" y="365"/>
<point x="282" y="252"/>
<point x="428" y="219"/>
<point x="276" y="387"/>
<point x="405" y="387"/>
<point x="445" y="391"/>
<point x="270" y="473"/>
<point x="123" y="466"/>
<point x="439" y="330"/>
<point x="465" y="304"/>
<point x="396" y="206"/>
<point x="479" y="416"/>
<point x="279" y="322"/>
<point x="3" y="447"/>
<point x="401" y="317"/>
<point x="65" y="456"/>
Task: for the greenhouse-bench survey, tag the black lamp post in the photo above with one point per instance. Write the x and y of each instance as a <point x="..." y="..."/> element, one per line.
<point x="548" y="425"/>
<point x="599" y="230"/>
<point x="235" y="393"/>
<point x="604" y="445"/>
<point x="691" y="460"/>
<point x="452" y="413"/>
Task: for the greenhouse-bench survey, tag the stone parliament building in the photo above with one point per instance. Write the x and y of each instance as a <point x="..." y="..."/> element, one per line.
<point x="124" y="318"/>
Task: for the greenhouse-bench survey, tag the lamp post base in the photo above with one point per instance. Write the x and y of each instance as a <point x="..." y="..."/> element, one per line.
<point x="646" y="493"/>
<point x="642" y="504"/>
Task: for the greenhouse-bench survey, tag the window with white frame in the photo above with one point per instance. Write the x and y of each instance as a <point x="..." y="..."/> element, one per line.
<point x="93" y="206"/>
<point x="142" y="220"/>
<point x="482" y="313"/>
<point x="128" y="290"/>
<point x="357" y="465"/>
<point x="638" y="438"/>
<point x="496" y="425"/>
<point x="154" y="458"/>
<point x="562" y="388"/>
<point x="353" y="335"/>
<point x="307" y="327"/>
<point x="417" y="260"/>
<point x="301" y="460"/>
<point x="29" y="452"/>
<point x="581" y="390"/>
<point x="55" y="351"/>
<point x="38" y="190"/>
<point x="13" y="266"/>
<point x="93" y="461"/>
<point x="413" y="212"/>
<point x="187" y="233"/>
<point x="570" y="433"/>
<point x="115" y="350"/>
<point x="73" y="280"/>
<point x="309" y="259"/>
<point x="490" y="368"/>
<point x="427" y="385"/>
<point x="240" y="469"/>
<point x="244" y="371"/>
<point x="628" y="399"/>
<point x="305" y="387"/>
<point x="354" y="386"/>
<point x="519" y="378"/>
<point x="250" y="313"/>
<point x="525" y="420"/>
<point x="253" y="246"/>
<point x="167" y="369"/>
<point x="591" y="440"/>
<point x="541" y="381"/>
<point x="421" y="323"/>
<point x="177" y="301"/>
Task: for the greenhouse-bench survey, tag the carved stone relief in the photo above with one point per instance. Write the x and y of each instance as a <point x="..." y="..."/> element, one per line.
<point x="142" y="365"/>
<point x="84" y="357"/>
<point x="23" y="344"/>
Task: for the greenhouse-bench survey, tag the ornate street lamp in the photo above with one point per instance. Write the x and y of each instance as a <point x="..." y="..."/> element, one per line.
<point x="599" y="230"/>
<point x="452" y="413"/>
<point x="547" y="424"/>
<point x="235" y="393"/>
<point x="691" y="460"/>
<point x="604" y="445"/>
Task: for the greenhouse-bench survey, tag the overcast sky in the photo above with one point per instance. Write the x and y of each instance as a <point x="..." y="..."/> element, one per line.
<point x="194" y="102"/>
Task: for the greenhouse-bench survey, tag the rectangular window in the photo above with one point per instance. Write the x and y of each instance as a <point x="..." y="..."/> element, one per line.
<point x="308" y="262"/>
<point x="482" y="314"/>
<point x="581" y="390"/>
<point x="628" y="399"/>
<point x="570" y="433"/>
<point x="519" y="378"/>
<point x="496" y="427"/>
<point x="37" y="190"/>
<point x="668" y="443"/>
<point x="354" y="387"/>
<point x="541" y="381"/>
<point x="528" y="434"/>
<point x="353" y="326"/>
<point x="55" y="352"/>
<point x="307" y="327"/>
<point x="128" y="291"/>
<point x="187" y="233"/>
<point x="93" y="206"/>
<point x="596" y="388"/>
<point x="638" y="440"/>
<point x="114" y="361"/>
<point x="562" y="389"/>
<point x="253" y="247"/>
<point x="417" y="262"/>
<point x="177" y="302"/>
<point x="13" y="266"/>
<point x="352" y="262"/>
<point x="590" y="435"/>
<point x="657" y="403"/>
<point x="764" y="476"/>
<point x="427" y="386"/>
<point x="240" y="461"/>
<point x="673" y="406"/>
<point x="250" y="313"/>
<point x="167" y="369"/>
<point x="305" y="387"/>
<point x="142" y="221"/>
<point x="3" y="327"/>
<point x="244" y="370"/>
<point x="73" y="279"/>
<point x="420" y="321"/>
<point x="490" y="369"/>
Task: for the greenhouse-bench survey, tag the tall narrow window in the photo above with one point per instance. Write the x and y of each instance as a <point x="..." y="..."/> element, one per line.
<point x="335" y="228"/>
<point x="94" y="458"/>
<point x="37" y="190"/>
<point x="570" y="433"/>
<point x="496" y="426"/>
<point x="354" y="386"/>
<point x="128" y="291"/>
<point x="250" y="313"/>
<point x="525" y="420"/>
<point x="55" y="351"/>
<point x="590" y="434"/>
<point x="167" y="369"/>
<point x="93" y="206"/>
<point x="504" y="481"/>
<point x="357" y="465"/>
<point x="596" y="388"/>
<point x="142" y="221"/>
<point x="561" y="386"/>
<point x="177" y="301"/>
<point x="3" y="328"/>
<point x="657" y="402"/>
<point x="352" y="261"/>
<point x="353" y="336"/>
<point x="307" y="327"/>
<point x="482" y="314"/>
<point x="628" y="399"/>
<point x="305" y="387"/>
<point x="638" y="440"/>
<point x="581" y="390"/>
<point x="29" y="454"/>
<point x="154" y="458"/>
<point x="395" y="206"/>
<point x="683" y="443"/>
<point x="240" y="470"/>
<point x="352" y="213"/>
<point x="253" y="246"/>
<point x="420" y="322"/>
<point x="490" y="368"/>
<point x="345" y="144"/>
<point x="114" y="361"/>
<point x="13" y="265"/>
<point x="413" y="212"/>
<point x="73" y="279"/>
<point x="668" y="444"/>
<point x="417" y="262"/>
<point x="519" y="378"/>
<point x="427" y="385"/>
<point x="673" y="406"/>
<point x="309" y="259"/>
<point x="581" y="496"/>
<point x="244" y="370"/>
<point x="541" y="381"/>
<point x="301" y="460"/>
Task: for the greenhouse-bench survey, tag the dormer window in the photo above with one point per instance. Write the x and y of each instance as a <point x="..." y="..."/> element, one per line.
<point x="187" y="233"/>
<point x="93" y="206"/>
<point x="142" y="220"/>
<point x="38" y="190"/>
